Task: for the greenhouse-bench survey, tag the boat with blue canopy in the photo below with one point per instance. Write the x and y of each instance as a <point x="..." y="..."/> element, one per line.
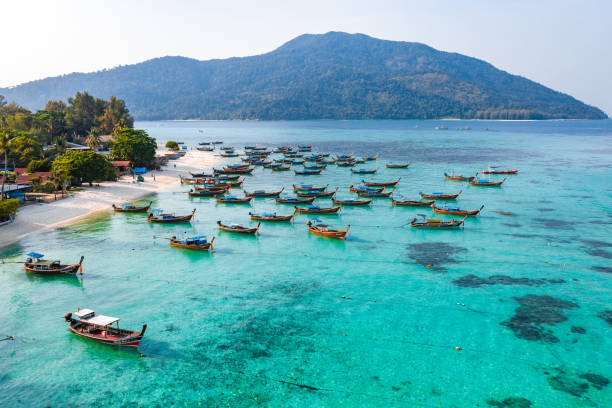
<point x="199" y="242"/>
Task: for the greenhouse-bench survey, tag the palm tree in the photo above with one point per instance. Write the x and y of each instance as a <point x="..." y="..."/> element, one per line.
<point x="93" y="141"/>
<point x="5" y="146"/>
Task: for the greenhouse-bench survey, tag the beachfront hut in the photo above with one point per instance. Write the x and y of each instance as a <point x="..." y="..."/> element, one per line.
<point x="122" y="167"/>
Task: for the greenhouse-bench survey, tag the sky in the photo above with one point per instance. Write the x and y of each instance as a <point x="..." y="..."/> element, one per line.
<point x="563" y="44"/>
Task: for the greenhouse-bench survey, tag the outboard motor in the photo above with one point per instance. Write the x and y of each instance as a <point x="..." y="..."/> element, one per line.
<point x="68" y="317"/>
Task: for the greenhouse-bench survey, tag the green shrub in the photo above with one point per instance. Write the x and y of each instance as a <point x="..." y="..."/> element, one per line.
<point x="11" y="177"/>
<point x="39" y="165"/>
<point x="171" y="144"/>
<point x="8" y="207"/>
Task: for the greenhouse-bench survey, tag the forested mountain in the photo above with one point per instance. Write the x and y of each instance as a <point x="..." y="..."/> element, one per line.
<point x="328" y="76"/>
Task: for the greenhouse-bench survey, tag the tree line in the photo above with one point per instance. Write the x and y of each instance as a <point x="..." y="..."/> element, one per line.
<point x="38" y="140"/>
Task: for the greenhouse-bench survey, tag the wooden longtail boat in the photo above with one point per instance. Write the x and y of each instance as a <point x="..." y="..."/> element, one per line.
<point x="199" y="243"/>
<point x="270" y="217"/>
<point x="315" y="167"/>
<point x="131" y="208"/>
<point x="225" y="177"/>
<point x="454" y="210"/>
<point x="294" y="200"/>
<point x="36" y="264"/>
<point x="234" y="171"/>
<point x="492" y="171"/>
<point x="219" y="186"/>
<point x="375" y="157"/>
<point x="307" y="172"/>
<point x="380" y="183"/>
<point x="486" y="183"/>
<point x="281" y="168"/>
<point x="324" y="230"/>
<point x="437" y="223"/>
<point x="397" y="165"/>
<point x="238" y="228"/>
<point x="354" y="189"/>
<point x="345" y="163"/>
<point x="229" y="199"/>
<point x="98" y="328"/>
<point x="359" y="160"/>
<point x="169" y="218"/>
<point x="369" y="193"/>
<point x="316" y="193"/>
<point x="206" y="149"/>
<point x="204" y="192"/>
<point x="457" y="177"/>
<point x="309" y="187"/>
<point x="201" y="175"/>
<point x="440" y="196"/>
<point x="229" y="154"/>
<point x="364" y="171"/>
<point x="412" y="203"/>
<point x="217" y="142"/>
<point x="262" y="193"/>
<point x="351" y="202"/>
<point x="315" y="209"/>
<point x="345" y="157"/>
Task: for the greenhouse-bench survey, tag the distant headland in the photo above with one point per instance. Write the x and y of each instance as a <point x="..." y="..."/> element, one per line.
<point x="328" y="76"/>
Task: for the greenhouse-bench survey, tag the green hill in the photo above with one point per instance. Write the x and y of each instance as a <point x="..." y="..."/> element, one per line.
<point x="328" y="76"/>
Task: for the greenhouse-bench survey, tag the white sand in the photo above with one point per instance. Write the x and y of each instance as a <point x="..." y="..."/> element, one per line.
<point x="35" y="218"/>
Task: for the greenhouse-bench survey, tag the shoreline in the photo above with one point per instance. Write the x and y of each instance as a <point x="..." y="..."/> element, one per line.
<point x="42" y="217"/>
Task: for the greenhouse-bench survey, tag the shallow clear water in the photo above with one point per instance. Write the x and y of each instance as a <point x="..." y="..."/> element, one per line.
<point x="291" y="319"/>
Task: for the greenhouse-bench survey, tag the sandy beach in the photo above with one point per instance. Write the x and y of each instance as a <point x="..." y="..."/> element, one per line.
<point x="35" y="218"/>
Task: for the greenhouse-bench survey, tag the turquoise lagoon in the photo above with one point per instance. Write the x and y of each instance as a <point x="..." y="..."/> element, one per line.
<point x="515" y="309"/>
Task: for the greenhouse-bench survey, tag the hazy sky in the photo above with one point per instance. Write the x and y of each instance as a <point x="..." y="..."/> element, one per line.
<point x="566" y="45"/>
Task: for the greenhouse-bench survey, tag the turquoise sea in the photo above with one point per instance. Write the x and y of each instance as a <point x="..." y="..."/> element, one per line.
<point x="515" y="310"/>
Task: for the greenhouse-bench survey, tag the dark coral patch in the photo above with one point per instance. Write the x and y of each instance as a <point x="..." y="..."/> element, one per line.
<point x="553" y="223"/>
<point x="436" y="254"/>
<point x="606" y="315"/>
<point x="596" y="380"/>
<point x="546" y="209"/>
<point x="604" y="269"/>
<point x="473" y="281"/>
<point x="512" y="225"/>
<point x="534" y="312"/>
<point x="578" y="329"/>
<point x="563" y="382"/>
<point x="511" y="402"/>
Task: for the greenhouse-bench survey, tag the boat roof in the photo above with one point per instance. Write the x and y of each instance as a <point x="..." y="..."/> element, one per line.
<point x="35" y="255"/>
<point x="89" y="316"/>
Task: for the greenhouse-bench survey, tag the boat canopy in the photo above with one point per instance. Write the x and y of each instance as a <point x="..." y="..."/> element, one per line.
<point x="35" y="255"/>
<point x="84" y="313"/>
<point x="89" y="316"/>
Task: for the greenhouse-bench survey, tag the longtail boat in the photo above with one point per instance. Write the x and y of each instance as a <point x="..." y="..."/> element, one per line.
<point x="200" y="243"/>
<point x="296" y="161"/>
<point x="375" y="157"/>
<point x="309" y="187"/>
<point x="131" y="208"/>
<point x="315" y="209"/>
<point x="370" y="193"/>
<point x="294" y="200"/>
<point x="200" y="175"/>
<point x="345" y="157"/>
<point x="351" y="202"/>
<point x="227" y="177"/>
<point x="270" y="217"/>
<point x="457" y="177"/>
<point x="440" y="196"/>
<point x="205" y="192"/>
<point x="436" y="223"/>
<point x="238" y="228"/>
<point x="315" y="167"/>
<point x="36" y="264"/>
<point x="316" y="193"/>
<point x="324" y="230"/>
<point x="219" y="186"/>
<point x="486" y="183"/>
<point x="229" y="154"/>
<point x="230" y="199"/>
<point x="345" y="163"/>
<point x="454" y="210"/>
<point x="262" y="193"/>
<point x="158" y="216"/>
<point x="307" y="172"/>
<point x="363" y="171"/>
<point x="206" y="149"/>
<point x="241" y="170"/>
<point x="493" y="171"/>
<point x="217" y="142"/>
<point x="98" y="328"/>
<point x="397" y="165"/>
<point x="357" y="189"/>
<point x="412" y="203"/>
<point x="359" y="160"/>
<point x="281" y="168"/>
<point x="381" y="183"/>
